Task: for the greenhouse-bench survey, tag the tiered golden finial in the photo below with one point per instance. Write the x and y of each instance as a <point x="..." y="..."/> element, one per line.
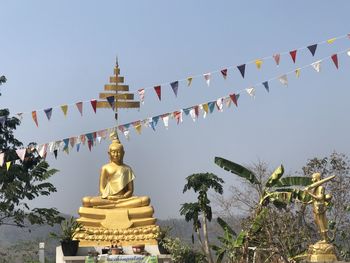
<point x="122" y="99"/>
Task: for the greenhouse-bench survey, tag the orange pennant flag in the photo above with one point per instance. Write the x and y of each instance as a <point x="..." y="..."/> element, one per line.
<point x="64" y="109"/>
<point x="35" y="118"/>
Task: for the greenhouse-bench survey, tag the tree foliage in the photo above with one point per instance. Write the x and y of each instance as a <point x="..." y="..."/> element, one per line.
<point x="24" y="181"/>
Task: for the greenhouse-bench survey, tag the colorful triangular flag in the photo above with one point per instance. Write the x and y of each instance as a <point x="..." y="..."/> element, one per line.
<point x="228" y="102"/>
<point x="8" y="164"/>
<point x="205" y="109"/>
<point x="158" y="90"/>
<point x="335" y="60"/>
<point x="111" y="101"/>
<point x="277" y="57"/>
<point x="189" y="81"/>
<point x="312" y="49"/>
<point x="317" y="65"/>
<point x="93" y="104"/>
<point x="178" y="116"/>
<point x="48" y="113"/>
<point x="21" y="153"/>
<point x="165" y="119"/>
<point x="220" y="105"/>
<point x="266" y="85"/>
<point x="297" y="72"/>
<point x="251" y="91"/>
<point x="138" y="127"/>
<point x="64" y="108"/>
<point x="207" y="78"/>
<point x="142" y="95"/>
<point x="283" y="79"/>
<point x="258" y="63"/>
<point x="234" y="97"/>
<point x="175" y="86"/>
<point x="224" y="73"/>
<point x="293" y="55"/>
<point x="80" y="107"/>
<point x="193" y="114"/>
<point x="211" y="106"/>
<point x="330" y="41"/>
<point x="241" y="69"/>
<point x="34" y="116"/>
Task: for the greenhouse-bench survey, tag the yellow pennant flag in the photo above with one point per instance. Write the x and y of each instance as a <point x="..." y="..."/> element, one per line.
<point x="64" y="109"/>
<point x="205" y="107"/>
<point x="258" y="63"/>
<point x="189" y="81"/>
<point x="297" y="72"/>
<point x="138" y="127"/>
<point x="8" y="164"/>
<point x="330" y="41"/>
<point x="228" y="102"/>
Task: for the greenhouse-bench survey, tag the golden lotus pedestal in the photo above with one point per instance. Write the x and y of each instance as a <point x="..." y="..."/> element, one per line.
<point x="321" y="252"/>
<point x="117" y="226"/>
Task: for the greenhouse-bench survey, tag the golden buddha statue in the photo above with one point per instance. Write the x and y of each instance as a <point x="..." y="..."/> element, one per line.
<point x="116" y="216"/>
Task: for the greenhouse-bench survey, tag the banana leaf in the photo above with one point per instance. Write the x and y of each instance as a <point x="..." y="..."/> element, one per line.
<point x="258" y="221"/>
<point x="240" y="239"/>
<point x="294" y="181"/>
<point x="225" y="226"/>
<point x="236" y="169"/>
<point x="276" y="175"/>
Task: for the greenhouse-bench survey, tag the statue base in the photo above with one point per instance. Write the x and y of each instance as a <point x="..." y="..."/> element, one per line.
<point x="321" y="252"/>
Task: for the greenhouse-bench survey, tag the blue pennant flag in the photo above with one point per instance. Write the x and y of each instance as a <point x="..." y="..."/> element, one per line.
<point x="211" y="106"/>
<point x="266" y="85"/>
<point x="90" y="137"/>
<point x="175" y="86"/>
<point x="312" y="49"/>
<point x="48" y="113"/>
<point x="241" y="69"/>
<point x="127" y="126"/>
<point x="78" y="147"/>
<point x="66" y="142"/>
<point x="111" y="101"/>
<point x="154" y="122"/>
<point x="187" y="111"/>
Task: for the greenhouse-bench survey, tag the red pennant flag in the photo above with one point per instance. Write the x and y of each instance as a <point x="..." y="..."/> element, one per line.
<point x="80" y="107"/>
<point x="196" y="110"/>
<point x="158" y="91"/>
<point x="35" y="118"/>
<point x="234" y="99"/>
<point x="224" y="73"/>
<point x="277" y="57"/>
<point x="335" y="60"/>
<point x="293" y="54"/>
<point x="90" y="144"/>
<point x="94" y="104"/>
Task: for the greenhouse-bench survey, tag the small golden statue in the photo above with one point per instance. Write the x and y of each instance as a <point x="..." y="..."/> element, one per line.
<point x="116" y="216"/>
<point x="322" y="251"/>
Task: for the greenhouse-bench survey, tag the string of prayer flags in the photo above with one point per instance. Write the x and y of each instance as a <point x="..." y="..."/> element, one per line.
<point x="293" y="55"/>
<point x="317" y="66"/>
<point x="48" y="113"/>
<point x="207" y="78"/>
<point x="283" y="79"/>
<point x="266" y="85"/>
<point x="277" y="57"/>
<point x="175" y="86"/>
<point x="241" y="69"/>
<point x="35" y="118"/>
<point x="335" y="60"/>
<point x="142" y="95"/>
<point x="80" y="107"/>
<point x="312" y="49"/>
<point x="93" y="104"/>
<point x="64" y="109"/>
<point x="224" y="73"/>
<point x="158" y="91"/>
<point x="258" y="63"/>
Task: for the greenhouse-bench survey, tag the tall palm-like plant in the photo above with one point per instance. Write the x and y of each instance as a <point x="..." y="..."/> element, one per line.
<point x="201" y="183"/>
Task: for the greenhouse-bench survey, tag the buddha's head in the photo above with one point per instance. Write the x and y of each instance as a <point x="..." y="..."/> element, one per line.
<point x="316" y="177"/>
<point x="116" y="152"/>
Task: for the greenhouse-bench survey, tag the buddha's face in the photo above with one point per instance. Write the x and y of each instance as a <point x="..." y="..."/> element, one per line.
<point x="116" y="153"/>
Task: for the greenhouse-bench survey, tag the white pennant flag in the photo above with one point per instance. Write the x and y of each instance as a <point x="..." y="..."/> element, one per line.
<point x="127" y="134"/>
<point x="166" y="121"/>
<point x="21" y="153"/>
<point x="202" y="109"/>
<point x="51" y="147"/>
<point x="228" y="102"/>
<point x="193" y="114"/>
<point x="2" y="155"/>
<point x="142" y="95"/>
<point x="251" y="91"/>
<point x="207" y="78"/>
<point x="42" y="150"/>
<point x="317" y="66"/>
<point x="283" y="79"/>
<point x="220" y="105"/>
<point x="99" y="138"/>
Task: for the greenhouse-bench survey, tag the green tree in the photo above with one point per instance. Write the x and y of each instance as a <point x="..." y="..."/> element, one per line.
<point x="24" y="180"/>
<point x="201" y="183"/>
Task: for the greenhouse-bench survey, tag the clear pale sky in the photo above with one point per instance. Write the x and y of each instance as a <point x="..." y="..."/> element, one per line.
<point x="62" y="52"/>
